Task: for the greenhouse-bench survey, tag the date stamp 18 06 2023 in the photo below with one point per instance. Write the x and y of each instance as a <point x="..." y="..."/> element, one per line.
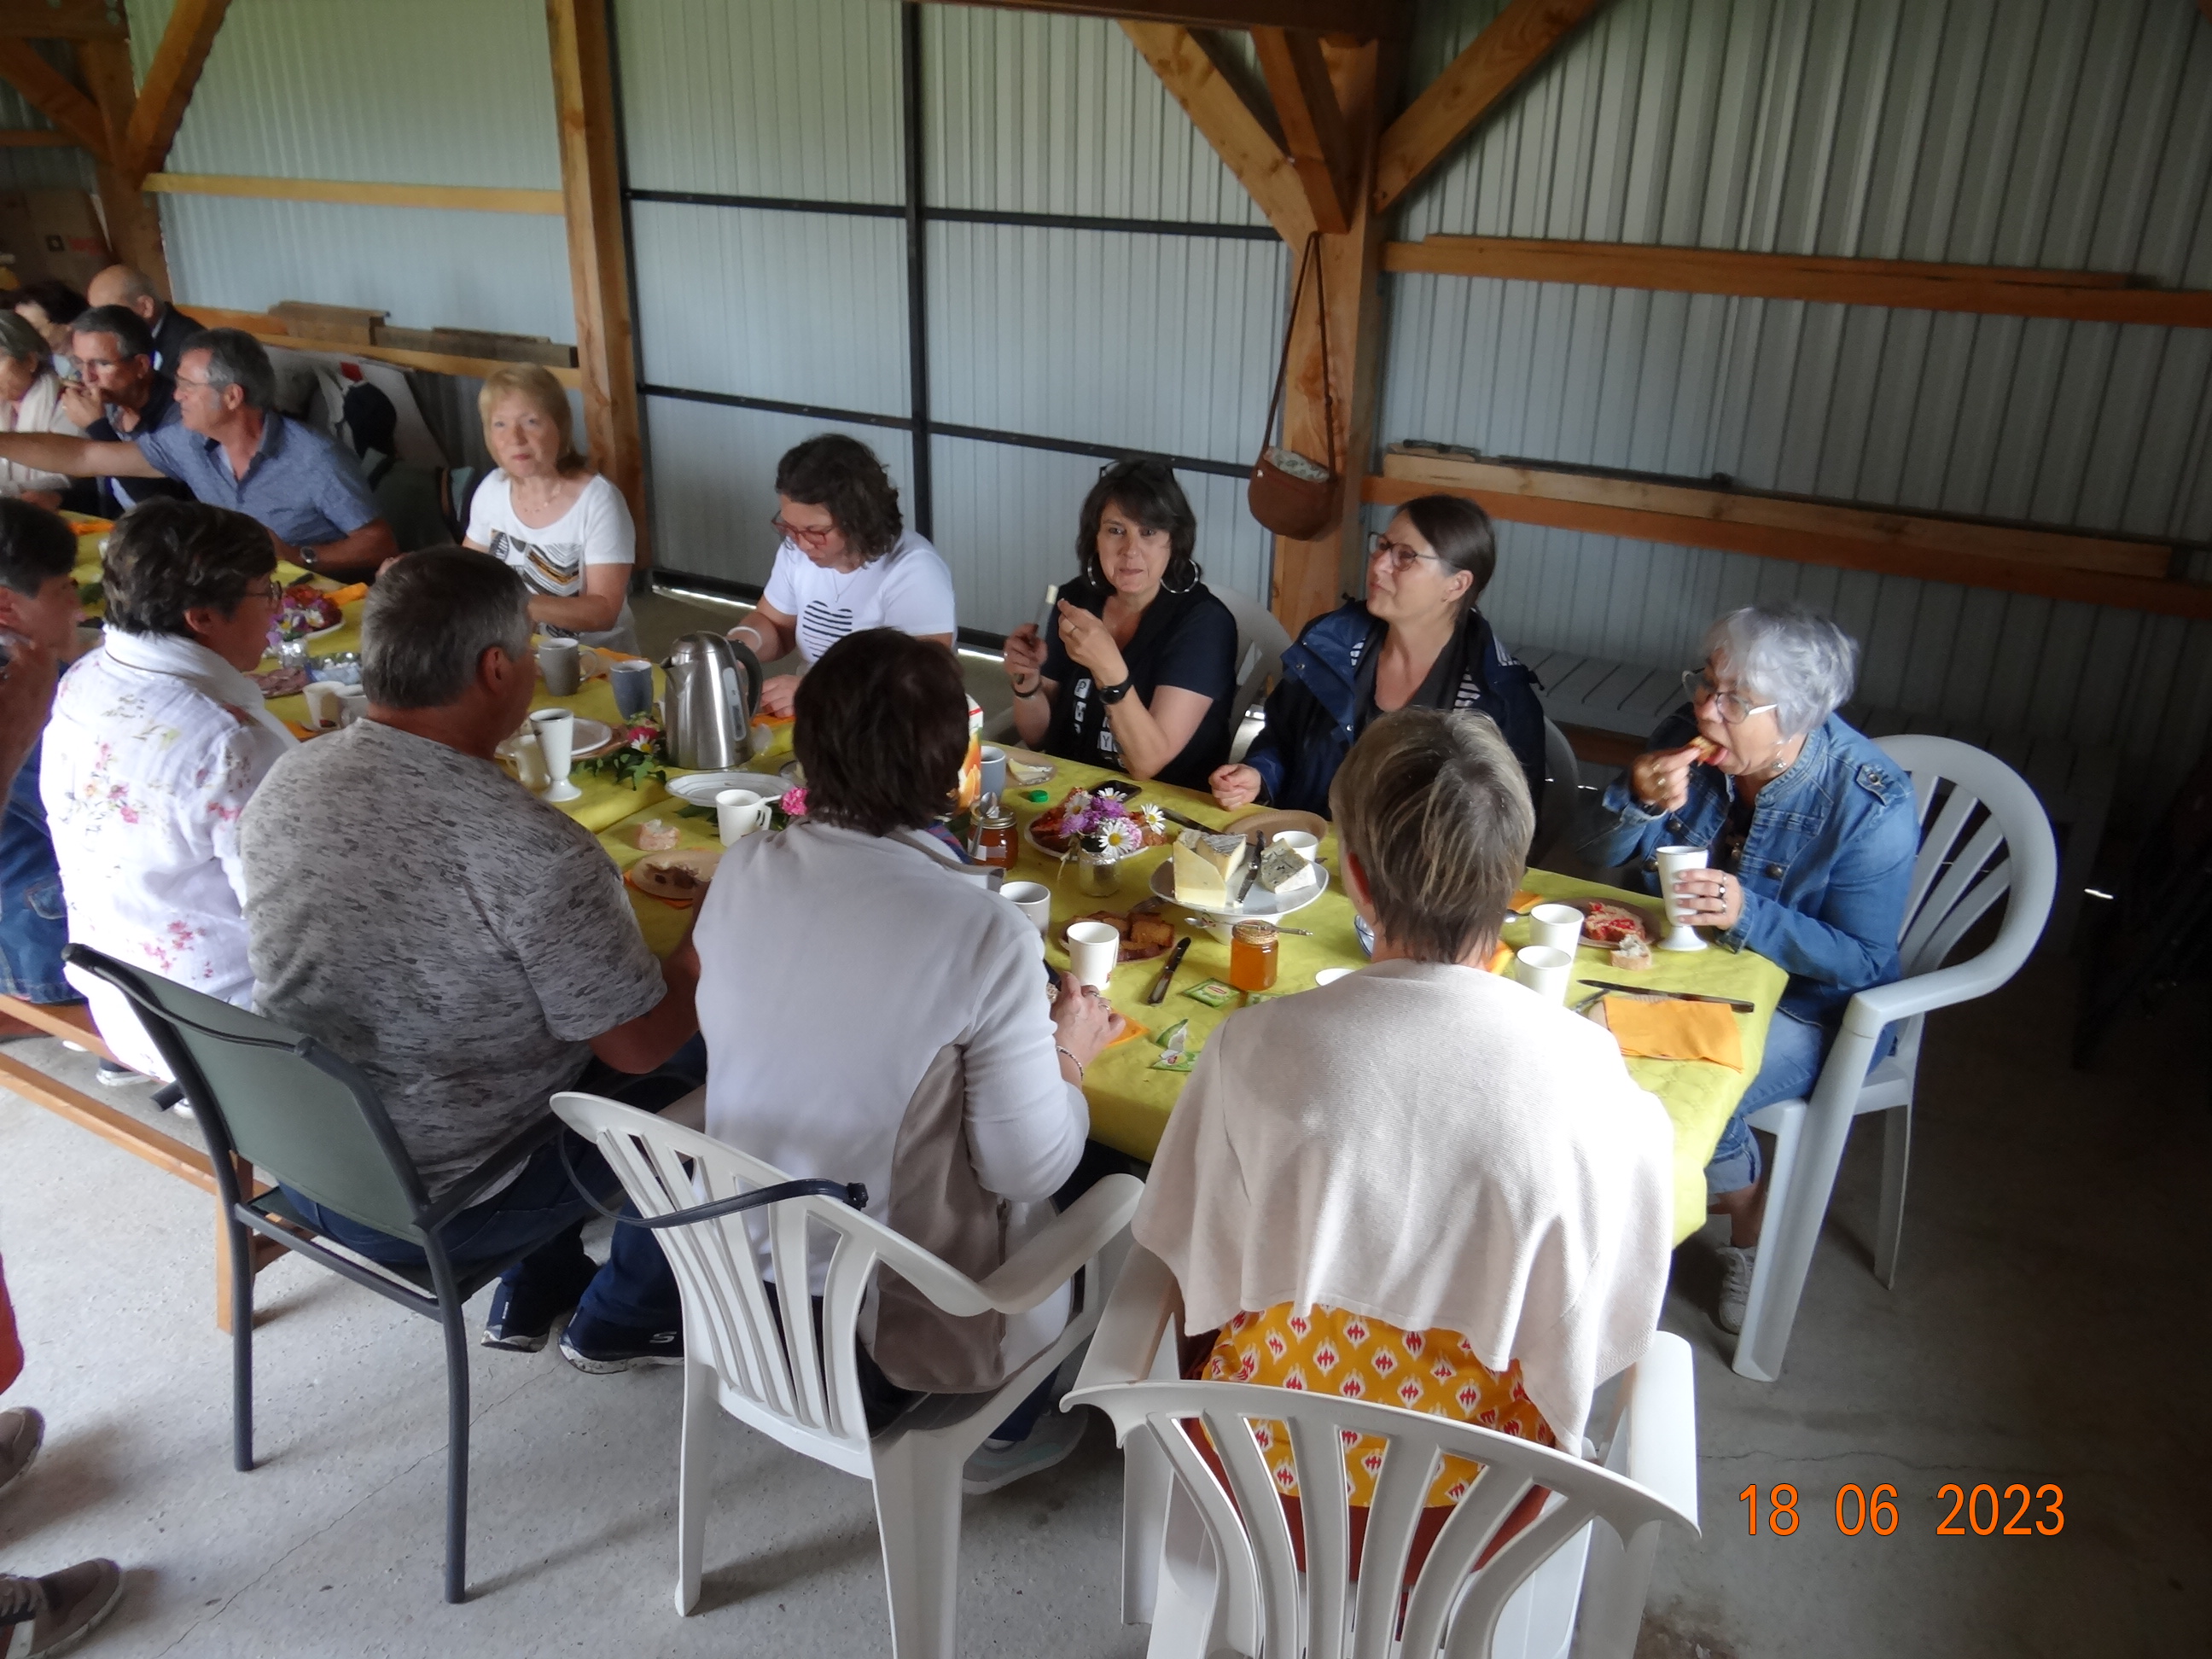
<point x="1986" y="1510"/>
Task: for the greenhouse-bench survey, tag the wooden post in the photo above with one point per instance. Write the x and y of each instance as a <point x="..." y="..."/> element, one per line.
<point x="1311" y="576"/>
<point x="134" y="222"/>
<point x="598" y="270"/>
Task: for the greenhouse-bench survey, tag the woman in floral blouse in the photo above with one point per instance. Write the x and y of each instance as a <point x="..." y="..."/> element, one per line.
<point x="157" y="740"/>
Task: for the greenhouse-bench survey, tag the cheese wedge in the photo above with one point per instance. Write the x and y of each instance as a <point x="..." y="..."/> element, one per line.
<point x="1206" y="868"/>
<point x="1284" y="869"/>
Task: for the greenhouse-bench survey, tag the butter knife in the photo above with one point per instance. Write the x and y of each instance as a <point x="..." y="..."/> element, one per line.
<point x="1159" y="990"/>
<point x="1174" y="816"/>
<point x="1251" y="869"/>
<point x="1741" y="1007"/>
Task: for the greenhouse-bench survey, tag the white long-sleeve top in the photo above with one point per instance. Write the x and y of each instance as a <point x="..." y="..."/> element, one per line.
<point x="828" y="1006"/>
<point x="154" y="748"/>
<point x="1434" y="1147"/>
<point x="38" y="410"/>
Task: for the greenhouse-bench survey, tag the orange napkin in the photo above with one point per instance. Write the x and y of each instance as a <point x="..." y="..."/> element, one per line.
<point x="1131" y="1032"/>
<point x="348" y="594"/>
<point x="1523" y="902"/>
<point x="302" y="732"/>
<point x="1668" y="1029"/>
<point x="1501" y="959"/>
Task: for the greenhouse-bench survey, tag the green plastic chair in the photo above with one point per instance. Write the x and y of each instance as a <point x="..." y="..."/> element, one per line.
<point x="307" y="1118"/>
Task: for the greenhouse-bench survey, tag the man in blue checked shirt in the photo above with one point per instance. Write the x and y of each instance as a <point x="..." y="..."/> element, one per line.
<point x="225" y="442"/>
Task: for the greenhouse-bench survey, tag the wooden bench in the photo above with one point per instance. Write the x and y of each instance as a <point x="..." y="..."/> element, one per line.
<point x="118" y="1129"/>
<point x="1592" y="697"/>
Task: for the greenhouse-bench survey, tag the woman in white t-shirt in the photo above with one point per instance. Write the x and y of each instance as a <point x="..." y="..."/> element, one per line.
<point x="847" y="562"/>
<point x="564" y="528"/>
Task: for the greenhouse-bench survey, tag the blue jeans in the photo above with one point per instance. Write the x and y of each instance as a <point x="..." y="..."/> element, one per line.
<point x="1795" y="1050"/>
<point x="34" y="920"/>
<point x="634" y="1289"/>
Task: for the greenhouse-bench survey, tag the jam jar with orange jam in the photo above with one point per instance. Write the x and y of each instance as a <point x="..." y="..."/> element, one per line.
<point x="1252" y="947"/>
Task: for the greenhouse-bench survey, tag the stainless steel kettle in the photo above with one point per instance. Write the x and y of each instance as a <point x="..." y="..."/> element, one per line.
<point x="707" y="709"/>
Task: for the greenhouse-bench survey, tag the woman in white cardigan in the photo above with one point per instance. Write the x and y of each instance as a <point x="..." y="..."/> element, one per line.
<point x="1422" y="1184"/>
<point x="30" y="401"/>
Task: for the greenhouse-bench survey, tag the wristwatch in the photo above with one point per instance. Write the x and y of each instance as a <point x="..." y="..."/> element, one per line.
<point x="304" y="557"/>
<point x="1110" y="695"/>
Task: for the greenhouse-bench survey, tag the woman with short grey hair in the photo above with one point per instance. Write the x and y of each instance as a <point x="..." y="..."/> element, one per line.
<point x="1811" y="834"/>
<point x="30" y="401"/>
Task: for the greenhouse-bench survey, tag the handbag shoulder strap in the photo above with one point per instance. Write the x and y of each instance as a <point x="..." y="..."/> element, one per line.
<point x="1311" y="257"/>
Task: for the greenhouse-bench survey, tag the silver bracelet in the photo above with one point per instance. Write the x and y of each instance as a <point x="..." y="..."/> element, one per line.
<point x="1063" y="1048"/>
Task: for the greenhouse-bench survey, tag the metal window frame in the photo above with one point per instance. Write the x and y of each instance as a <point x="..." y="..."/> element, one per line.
<point x="917" y="216"/>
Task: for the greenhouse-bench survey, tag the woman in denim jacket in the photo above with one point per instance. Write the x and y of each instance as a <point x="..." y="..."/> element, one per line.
<point x="1812" y="835"/>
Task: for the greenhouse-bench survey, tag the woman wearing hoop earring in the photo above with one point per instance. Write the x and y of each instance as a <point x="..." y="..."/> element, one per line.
<point x="1141" y="669"/>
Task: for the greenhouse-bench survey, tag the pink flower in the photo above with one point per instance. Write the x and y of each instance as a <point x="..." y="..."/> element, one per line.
<point x="794" y="803"/>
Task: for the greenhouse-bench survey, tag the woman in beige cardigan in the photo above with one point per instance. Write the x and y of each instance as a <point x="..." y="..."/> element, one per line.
<point x="1422" y="1185"/>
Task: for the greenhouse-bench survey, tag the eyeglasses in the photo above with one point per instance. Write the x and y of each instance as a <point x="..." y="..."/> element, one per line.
<point x="1397" y="556"/>
<point x="783" y="526"/>
<point x="1732" y="708"/>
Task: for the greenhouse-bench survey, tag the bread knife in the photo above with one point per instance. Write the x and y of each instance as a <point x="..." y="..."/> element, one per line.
<point x="1740" y="1007"/>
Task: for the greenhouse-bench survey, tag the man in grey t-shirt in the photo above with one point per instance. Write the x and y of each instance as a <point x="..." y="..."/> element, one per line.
<point x="472" y="950"/>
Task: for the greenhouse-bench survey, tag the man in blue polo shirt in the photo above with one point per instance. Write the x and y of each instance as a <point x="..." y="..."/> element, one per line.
<point x="228" y="445"/>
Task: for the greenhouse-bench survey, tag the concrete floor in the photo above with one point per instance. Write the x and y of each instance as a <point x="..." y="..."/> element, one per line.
<point x="2047" y="1328"/>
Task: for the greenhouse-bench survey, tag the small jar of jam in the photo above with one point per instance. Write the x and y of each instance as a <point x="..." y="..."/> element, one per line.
<point x="992" y="843"/>
<point x="1252" y="956"/>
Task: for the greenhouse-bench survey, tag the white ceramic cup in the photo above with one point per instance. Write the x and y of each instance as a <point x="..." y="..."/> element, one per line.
<point x="557" y="736"/>
<point x="1544" y="970"/>
<point x="1093" y="948"/>
<point x="325" y="704"/>
<point x="738" y="813"/>
<point x="1558" y="926"/>
<point x="1033" y="899"/>
<point x="561" y="660"/>
<point x="353" y="704"/>
<point x="994" y="770"/>
<point x="1671" y="862"/>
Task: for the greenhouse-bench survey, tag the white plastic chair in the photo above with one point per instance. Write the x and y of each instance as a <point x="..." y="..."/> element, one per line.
<point x="1991" y="838"/>
<point x="1211" y="1566"/>
<point x="740" y="1349"/>
<point x="1262" y="639"/>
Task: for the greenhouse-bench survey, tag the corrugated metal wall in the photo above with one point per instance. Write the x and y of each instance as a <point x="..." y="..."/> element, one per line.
<point x="1100" y="337"/>
<point x="2061" y="134"/>
<point x="418" y="92"/>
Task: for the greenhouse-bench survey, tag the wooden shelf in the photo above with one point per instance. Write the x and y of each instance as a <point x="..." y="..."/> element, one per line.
<point x="1988" y="290"/>
<point x="1975" y="553"/>
<point x="472" y="199"/>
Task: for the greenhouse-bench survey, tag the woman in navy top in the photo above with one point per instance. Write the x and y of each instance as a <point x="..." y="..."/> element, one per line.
<point x="1142" y="667"/>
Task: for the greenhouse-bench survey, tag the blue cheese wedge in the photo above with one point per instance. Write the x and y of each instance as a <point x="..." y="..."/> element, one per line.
<point x="1206" y="868"/>
<point x="1284" y="869"/>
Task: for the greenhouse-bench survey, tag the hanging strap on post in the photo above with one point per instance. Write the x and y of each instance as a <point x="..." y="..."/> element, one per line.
<point x="853" y="1193"/>
<point x="1310" y="258"/>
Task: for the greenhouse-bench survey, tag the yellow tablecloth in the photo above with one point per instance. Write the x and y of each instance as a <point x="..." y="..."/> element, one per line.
<point x="1130" y="1101"/>
<point x="603" y="803"/>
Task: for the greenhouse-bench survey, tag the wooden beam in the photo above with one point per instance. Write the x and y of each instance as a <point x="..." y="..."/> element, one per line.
<point x="1797" y="514"/>
<point x="470" y="198"/>
<point x="1313" y="126"/>
<point x="134" y="222"/>
<point x="34" y="138"/>
<point x="1226" y="122"/>
<point x="1839" y="547"/>
<point x="1492" y="65"/>
<point x="65" y="19"/>
<point x="1987" y="290"/>
<point x="271" y="331"/>
<point x="1355" y="20"/>
<point x="170" y="79"/>
<point x="1310" y="576"/>
<point x="598" y="261"/>
<point x="51" y="93"/>
<point x="116" y="1127"/>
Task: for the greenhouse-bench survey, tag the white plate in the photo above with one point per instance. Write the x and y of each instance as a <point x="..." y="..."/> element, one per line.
<point x="700" y="788"/>
<point x="592" y="736"/>
<point x="1258" y="904"/>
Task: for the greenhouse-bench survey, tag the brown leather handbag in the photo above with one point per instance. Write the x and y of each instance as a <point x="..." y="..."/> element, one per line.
<point x="1291" y="494"/>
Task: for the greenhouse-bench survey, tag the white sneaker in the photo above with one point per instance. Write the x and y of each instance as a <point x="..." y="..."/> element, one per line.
<point x="991" y="1465"/>
<point x="1736" y="1268"/>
